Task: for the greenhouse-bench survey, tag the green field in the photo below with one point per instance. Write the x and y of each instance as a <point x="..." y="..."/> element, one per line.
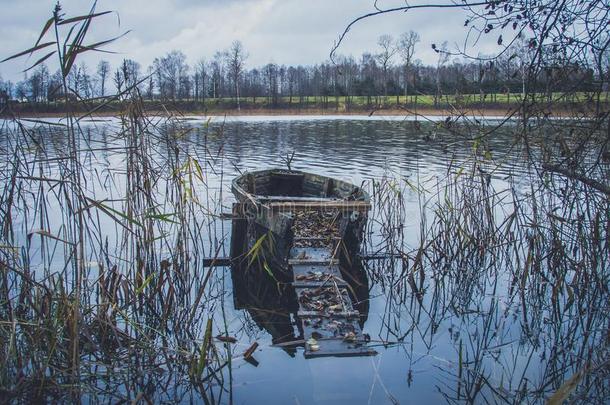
<point x="574" y="102"/>
<point x="361" y="103"/>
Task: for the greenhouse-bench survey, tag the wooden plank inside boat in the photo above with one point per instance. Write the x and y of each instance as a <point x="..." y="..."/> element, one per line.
<point x="328" y="319"/>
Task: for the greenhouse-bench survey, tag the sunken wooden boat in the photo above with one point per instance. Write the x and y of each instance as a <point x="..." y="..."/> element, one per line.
<point x="304" y="231"/>
<point x="281" y="201"/>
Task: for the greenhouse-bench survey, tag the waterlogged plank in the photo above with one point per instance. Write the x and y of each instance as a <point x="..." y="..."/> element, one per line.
<point x="337" y="348"/>
<point x="329" y="321"/>
<point x="334" y="336"/>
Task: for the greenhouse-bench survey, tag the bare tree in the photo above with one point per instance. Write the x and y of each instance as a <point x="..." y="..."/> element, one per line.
<point x="184" y="80"/>
<point x="170" y="71"/>
<point x="38" y="83"/>
<point x="201" y="70"/>
<point x="236" y="57"/>
<point x="388" y="50"/>
<point x="443" y="58"/>
<point x="217" y="70"/>
<point x="523" y="53"/>
<point x="103" y="70"/>
<point x="406" y="51"/>
<point x="5" y="94"/>
<point x="150" y="83"/>
<point x="292" y="81"/>
<point x="270" y="76"/>
<point x="119" y="80"/>
<point x="130" y="69"/>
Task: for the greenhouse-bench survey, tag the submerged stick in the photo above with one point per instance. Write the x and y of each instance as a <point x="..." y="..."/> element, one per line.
<point x="248" y="353"/>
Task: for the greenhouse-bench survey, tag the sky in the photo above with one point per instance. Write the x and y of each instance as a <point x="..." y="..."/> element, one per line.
<point x="287" y="32"/>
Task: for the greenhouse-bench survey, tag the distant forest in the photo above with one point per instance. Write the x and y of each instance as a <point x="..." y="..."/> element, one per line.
<point x="375" y="78"/>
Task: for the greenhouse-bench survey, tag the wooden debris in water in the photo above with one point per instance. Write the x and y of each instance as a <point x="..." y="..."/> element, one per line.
<point x="248" y="353"/>
<point x="226" y="339"/>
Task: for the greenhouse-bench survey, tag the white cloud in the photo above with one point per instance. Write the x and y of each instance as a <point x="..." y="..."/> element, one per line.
<point x="283" y="31"/>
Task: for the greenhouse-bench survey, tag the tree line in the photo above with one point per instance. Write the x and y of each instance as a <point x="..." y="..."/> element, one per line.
<point x="391" y="70"/>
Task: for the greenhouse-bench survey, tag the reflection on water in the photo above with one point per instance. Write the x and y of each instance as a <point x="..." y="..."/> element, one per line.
<point x="450" y="323"/>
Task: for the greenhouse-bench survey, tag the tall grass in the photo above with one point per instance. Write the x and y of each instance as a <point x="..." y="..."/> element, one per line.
<point x="514" y="272"/>
<point x="82" y="312"/>
<point x="104" y="292"/>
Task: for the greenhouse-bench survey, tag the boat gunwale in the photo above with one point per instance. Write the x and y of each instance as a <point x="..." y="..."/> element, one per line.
<point x="241" y="194"/>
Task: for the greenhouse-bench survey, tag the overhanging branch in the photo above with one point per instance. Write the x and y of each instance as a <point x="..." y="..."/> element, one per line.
<point x="393" y="10"/>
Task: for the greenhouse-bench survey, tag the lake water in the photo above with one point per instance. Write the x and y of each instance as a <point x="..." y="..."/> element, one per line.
<point x="464" y="341"/>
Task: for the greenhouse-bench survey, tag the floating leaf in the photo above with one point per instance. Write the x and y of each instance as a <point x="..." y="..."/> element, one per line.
<point x="226" y="339"/>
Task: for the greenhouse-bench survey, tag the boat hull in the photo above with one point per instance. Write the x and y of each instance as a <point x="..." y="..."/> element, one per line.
<point x="268" y="200"/>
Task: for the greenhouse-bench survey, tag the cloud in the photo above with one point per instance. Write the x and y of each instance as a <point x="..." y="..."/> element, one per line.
<point x="282" y="31"/>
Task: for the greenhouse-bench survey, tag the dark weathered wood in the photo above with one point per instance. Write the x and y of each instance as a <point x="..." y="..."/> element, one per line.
<point x="276" y="221"/>
<point x="327" y="205"/>
<point x="313" y="262"/>
<point x="249" y="185"/>
<point x="328" y="187"/>
<point x="268" y="198"/>
<point x="216" y="261"/>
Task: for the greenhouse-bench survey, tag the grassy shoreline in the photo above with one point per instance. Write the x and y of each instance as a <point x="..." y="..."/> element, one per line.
<point x="498" y="105"/>
<point x="430" y="112"/>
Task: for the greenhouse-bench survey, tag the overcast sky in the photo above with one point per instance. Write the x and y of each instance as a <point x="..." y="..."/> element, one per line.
<point x="279" y="31"/>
